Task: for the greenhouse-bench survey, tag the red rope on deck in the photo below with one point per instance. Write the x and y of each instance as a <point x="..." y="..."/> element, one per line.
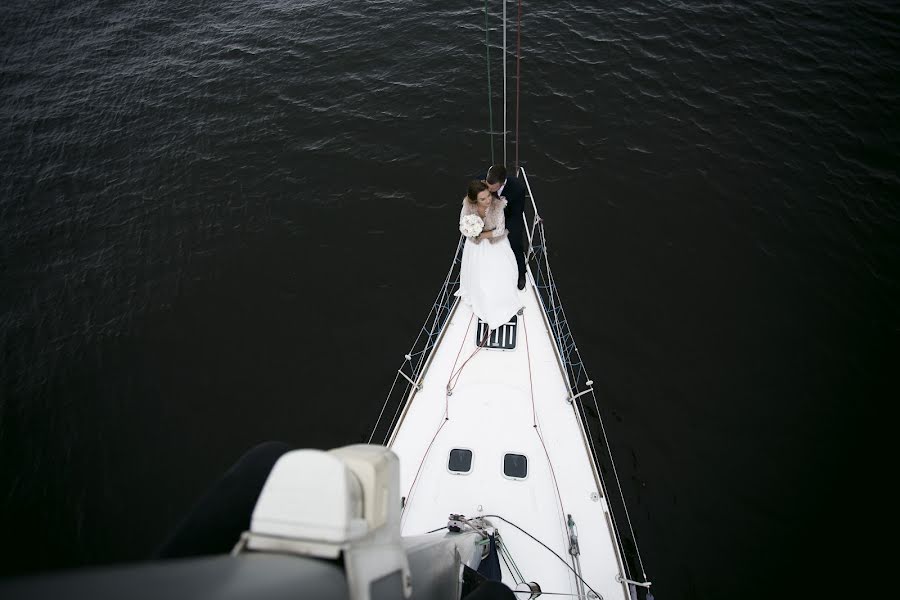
<point x="537" y="430"/>
<point x="456" y="374"/>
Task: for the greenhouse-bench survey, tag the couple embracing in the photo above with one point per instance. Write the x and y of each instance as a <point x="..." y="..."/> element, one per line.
<point x="493" y="262"/>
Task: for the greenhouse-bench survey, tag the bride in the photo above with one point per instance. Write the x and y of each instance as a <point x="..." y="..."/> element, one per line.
<point x="488" y="274"/>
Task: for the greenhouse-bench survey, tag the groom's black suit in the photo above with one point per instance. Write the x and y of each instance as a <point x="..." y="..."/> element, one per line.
<point x="514" y="192"/>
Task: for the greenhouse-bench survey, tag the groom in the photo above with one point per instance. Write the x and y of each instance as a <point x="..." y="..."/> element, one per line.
<point x="514" y="192"/>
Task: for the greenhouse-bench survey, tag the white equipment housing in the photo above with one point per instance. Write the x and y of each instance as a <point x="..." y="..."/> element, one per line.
<point x="341" y="502"/>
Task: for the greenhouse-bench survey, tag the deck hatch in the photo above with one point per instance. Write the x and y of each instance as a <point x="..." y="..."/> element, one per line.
<point x="502" y="338"/>
<point x="515" y="466"/>
<point x="460" y="460"/>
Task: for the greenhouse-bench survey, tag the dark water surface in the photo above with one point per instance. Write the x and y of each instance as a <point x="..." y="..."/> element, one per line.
<point x="223" y="222"/>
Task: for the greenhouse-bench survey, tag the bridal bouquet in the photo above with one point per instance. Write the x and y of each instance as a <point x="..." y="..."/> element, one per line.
<point x="471" y="226"/>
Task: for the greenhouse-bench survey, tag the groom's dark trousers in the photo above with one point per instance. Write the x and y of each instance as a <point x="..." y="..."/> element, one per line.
<point x="514" y="192"/>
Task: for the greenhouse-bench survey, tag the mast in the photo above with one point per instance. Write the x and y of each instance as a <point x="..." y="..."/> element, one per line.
<point x="504" y="82"/>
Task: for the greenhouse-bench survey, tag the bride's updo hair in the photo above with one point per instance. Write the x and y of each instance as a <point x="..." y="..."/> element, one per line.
<point x="475" y="188"/>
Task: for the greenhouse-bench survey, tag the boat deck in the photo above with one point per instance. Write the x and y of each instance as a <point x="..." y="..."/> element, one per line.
<point x="523" y="389"/>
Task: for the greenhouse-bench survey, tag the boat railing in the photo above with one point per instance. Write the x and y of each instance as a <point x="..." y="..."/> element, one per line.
<point x="581" y="389"/>
<point x="416" y="360"/>
<point x="545" y="285"/>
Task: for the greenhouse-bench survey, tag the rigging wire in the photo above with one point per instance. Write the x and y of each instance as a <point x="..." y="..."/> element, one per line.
<point x="557" y="309"/>
<point x="446" y="405"/>
<point x="505" y="79"/>
<point x="537" y="429"/>
<point x="508" y="568"/>
<point x="549" y="549"/>
<point x="422" y="463"/>
<point x="543" y="593"/>
<point x="534" y="417"/>
<point x="518" y="75"/>
<point x="438" y="304"/>
<point x="384" y="406"/>
<point x="619" y="485"/>
<point x="487" y="51"/>
<point x="504" y="548"/>
<point x="612" y="461"/>
<point x="454" y="378"/>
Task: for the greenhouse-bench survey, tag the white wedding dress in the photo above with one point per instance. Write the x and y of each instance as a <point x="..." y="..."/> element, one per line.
<point x="488" y="274"/>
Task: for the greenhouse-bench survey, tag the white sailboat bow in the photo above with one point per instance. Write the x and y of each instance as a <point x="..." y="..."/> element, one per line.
<point x="495" y="431"/>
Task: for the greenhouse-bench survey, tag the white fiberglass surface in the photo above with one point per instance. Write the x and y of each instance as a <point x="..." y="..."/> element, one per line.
<point x="506" y="402"/>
